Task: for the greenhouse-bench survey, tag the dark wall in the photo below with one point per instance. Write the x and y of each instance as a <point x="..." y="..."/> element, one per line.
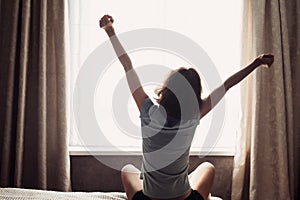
<point x="88" y="173"/>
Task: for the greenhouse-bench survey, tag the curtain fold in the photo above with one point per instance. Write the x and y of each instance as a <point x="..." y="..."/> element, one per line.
<point x="33" y="124"/>
<point x="266" y="164"/>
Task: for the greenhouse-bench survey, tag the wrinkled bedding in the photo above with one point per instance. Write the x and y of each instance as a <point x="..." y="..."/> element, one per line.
<point x="22" y="194"/>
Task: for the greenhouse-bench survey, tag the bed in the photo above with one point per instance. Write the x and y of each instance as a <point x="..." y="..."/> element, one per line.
<point x="22" y="194"/>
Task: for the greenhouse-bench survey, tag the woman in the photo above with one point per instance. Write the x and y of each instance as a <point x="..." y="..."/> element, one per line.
<point x="168" y="129"/>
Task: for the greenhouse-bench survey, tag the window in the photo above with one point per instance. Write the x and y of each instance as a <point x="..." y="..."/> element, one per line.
<point x="214" y="25"/>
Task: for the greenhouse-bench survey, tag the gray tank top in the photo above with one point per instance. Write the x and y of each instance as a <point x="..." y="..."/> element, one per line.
<point x="166" y="146"/>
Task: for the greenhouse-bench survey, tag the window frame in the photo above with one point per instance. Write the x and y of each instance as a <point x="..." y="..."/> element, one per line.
<point x="81" y="150"/>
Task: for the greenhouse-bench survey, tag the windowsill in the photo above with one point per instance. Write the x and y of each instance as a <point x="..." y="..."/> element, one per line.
<point x="129" y="151"/>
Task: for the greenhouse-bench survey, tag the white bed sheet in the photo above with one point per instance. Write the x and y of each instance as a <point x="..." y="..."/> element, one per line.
<point x="24" y="194"/>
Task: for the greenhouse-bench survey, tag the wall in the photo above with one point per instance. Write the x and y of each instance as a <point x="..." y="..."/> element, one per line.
<point x="89" y="174"/>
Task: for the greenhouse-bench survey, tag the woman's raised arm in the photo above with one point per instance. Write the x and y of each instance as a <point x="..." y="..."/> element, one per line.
<point x="213" y="99"/>
<point x="133" y="80"/>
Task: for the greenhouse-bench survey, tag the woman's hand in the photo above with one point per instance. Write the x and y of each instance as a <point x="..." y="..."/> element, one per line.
<point x="106" y="23"/>
<point x="265" y="60"/>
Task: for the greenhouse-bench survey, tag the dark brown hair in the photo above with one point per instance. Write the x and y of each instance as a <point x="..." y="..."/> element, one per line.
<point x="180" y="94"/>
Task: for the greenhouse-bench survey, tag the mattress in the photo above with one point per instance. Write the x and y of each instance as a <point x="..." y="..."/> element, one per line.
<point x="22" y="194"/>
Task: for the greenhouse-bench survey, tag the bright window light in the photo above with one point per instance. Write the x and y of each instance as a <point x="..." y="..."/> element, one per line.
<point x="215" y="25"/>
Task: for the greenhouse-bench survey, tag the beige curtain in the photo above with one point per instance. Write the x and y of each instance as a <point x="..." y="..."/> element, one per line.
<point x="33" y="125"/>
<point x="266" y="164"/>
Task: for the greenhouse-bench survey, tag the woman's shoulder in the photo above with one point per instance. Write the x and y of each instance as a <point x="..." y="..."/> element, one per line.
<point x="147" y="107"/>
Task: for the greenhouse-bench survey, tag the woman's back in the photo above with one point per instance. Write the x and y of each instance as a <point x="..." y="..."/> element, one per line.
<point x="166" y="145"/>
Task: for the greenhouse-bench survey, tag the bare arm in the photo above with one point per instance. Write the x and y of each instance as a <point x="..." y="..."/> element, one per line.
<point x="134" y="83"/>
<point x="214" y="98"/>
